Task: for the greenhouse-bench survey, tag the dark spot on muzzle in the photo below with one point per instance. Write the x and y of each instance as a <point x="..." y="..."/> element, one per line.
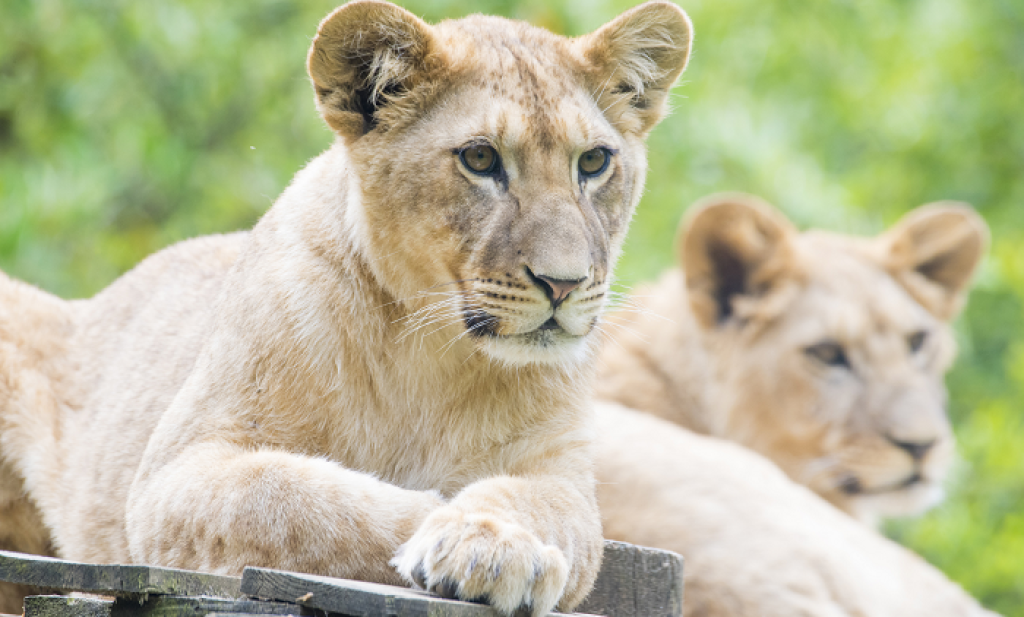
<point x="479" y="322"/>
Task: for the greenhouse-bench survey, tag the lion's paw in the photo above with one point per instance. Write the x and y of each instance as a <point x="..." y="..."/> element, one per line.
<point x="479" y="558"/>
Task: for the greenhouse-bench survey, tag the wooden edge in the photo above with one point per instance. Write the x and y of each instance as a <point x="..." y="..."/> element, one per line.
<point x="114" y="580"/>
<point x="157" y="605"/>
<point x="637" y="581"/>
<point x="67" y="606"/>
<point x="198" y="606"/>
<point x="356" y="597"/>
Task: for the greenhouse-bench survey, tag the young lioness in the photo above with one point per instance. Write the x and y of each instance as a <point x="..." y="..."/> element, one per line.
<point x="825" y="353"/>
<point x="387" y="378"/>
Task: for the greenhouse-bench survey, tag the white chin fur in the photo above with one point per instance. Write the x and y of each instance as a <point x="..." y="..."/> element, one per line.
<point x="537" y="347"/>
<point x="908" y="502"/>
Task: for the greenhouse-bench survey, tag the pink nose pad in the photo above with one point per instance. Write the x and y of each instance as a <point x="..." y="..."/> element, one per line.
<point x="557" y="290"/>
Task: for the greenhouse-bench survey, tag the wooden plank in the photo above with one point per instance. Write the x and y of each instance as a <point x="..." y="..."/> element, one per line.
<point x="198" y="606"/>
<point x="356" y="598"/>
<point x="115" y="580"/>
<point x="637" y="581"/>
<point x="155" y="606"/>
<point x="65" y="606"/>
<point x="634" y="582"/>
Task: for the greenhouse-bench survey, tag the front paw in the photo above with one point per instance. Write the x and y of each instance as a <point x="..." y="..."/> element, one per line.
<point x="478" y="557"/>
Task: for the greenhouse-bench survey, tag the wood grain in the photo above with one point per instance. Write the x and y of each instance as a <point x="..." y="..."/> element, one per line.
<point x="637" y="581"/>
<point x="114" y="580"/>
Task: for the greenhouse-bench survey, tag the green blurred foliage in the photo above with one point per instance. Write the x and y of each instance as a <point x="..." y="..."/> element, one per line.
<point x="126" y="126"/>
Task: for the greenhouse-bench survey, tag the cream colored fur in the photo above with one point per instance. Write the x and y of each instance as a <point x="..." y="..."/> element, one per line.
<point x="756" y="544"/>
<point x="30" y="342"/>
<point x="376" y="382"/>
<point x="825" y="353"/>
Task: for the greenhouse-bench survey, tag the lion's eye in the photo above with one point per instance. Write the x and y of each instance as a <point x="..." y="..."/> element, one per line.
<point x="594" y="162"/>
<point x="917" y="340"/>
<point x="829" y="353"/>
<point x="480" y="159"/>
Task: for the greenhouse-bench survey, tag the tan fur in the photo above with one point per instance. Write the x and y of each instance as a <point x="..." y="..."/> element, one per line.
<point x="756" y="544"/>
<point x="362" y="386"/>
<point x="737" y="352"/>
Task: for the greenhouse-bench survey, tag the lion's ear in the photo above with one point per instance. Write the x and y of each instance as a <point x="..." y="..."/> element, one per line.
<point x="635" y="59"/>
<point x="933" y="251"/>
<point x="365" y="54"/>
<point x="732" y="245"/>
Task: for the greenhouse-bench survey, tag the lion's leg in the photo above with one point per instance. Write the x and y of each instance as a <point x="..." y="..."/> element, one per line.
<point x="221" y="508"/>
<point x="21" y="530"/>
<point x="516" y="541"/>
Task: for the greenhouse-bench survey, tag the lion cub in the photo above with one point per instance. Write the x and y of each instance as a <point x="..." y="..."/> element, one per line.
<point x="387" y="378"/>
<point x="825" y="353"/>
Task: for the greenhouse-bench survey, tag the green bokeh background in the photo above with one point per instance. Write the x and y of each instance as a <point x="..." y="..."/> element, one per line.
<point x="126" y="126"/>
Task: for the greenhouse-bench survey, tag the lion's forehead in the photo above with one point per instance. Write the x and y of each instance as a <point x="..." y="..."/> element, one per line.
<point x="851" y="297"/>
<point x="531" y="80"/>
<point x="860" y="315"/>
<point x="511" y="53"/>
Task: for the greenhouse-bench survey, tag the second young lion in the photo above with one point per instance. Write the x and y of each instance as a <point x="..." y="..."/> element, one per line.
<point x="387" y="378"/>
<point x="825" y="353"/>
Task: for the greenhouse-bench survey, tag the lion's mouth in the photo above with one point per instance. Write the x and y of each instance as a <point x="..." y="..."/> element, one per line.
<point x="851" y="485"/>
<point x="483" y="324"/>
<point x="550" y="324"/>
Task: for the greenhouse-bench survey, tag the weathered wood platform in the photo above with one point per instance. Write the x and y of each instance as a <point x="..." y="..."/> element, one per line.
<point x="114" y="580"/>
<point x="634" y="582"/>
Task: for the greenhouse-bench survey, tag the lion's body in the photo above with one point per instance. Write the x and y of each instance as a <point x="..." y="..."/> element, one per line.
<point x="756" y="543"/>
<point x="865" y="426"/>
<point x="386" y="379"/>
<point x="80" y="399"/>
<point x="801" y="347"/>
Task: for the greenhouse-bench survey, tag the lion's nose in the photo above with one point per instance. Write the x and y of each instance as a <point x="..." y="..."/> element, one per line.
<point x="916" y="449"/>
<point x="557" y="290"/>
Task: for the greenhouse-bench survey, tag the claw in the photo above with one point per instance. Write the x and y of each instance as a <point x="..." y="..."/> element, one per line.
<point x="419" y="576"/>
<point x="447" y="589"/>
<point x="524" y="610"/>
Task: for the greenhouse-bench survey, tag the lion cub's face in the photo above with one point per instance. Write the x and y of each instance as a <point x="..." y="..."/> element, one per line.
<point x="498" y="165"/>
<point x="833" y="352"/>
<point x="858" y="365"/>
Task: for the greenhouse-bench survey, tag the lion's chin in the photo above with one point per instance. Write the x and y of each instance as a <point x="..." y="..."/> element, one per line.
<point x="540" y="346"/>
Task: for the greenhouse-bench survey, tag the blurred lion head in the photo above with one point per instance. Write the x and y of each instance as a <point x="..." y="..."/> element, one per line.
<point x="824" y="352"/>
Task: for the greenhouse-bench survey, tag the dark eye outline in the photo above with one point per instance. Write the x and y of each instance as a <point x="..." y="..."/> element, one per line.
<point x="604" y="167"/>
<point x="829" y="353"/>
<point x="916" y="341"/>
<point x="493" y="170"/>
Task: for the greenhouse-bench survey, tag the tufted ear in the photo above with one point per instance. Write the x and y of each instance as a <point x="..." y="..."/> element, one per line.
<point x="933" y="252"/>
<point x="635" y="59"/>
<point x="732" y="245"/>
<point x="366" y="54"/>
